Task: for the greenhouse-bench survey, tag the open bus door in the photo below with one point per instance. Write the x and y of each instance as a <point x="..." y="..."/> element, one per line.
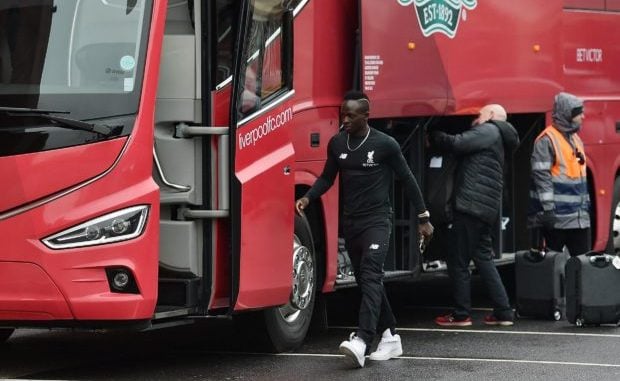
<point x="267" y="268"/>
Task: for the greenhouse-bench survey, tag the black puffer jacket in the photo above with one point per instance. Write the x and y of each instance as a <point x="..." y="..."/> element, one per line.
<point x="480" y="178"/>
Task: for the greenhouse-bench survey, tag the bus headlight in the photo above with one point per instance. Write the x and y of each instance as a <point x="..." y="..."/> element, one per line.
<point x="117" y="226"/>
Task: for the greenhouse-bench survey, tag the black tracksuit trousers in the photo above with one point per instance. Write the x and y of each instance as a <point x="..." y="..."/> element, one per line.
<point x="367" y="240"/>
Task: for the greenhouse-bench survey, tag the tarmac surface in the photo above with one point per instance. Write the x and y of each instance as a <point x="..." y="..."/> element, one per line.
<point x="529" y="350"/>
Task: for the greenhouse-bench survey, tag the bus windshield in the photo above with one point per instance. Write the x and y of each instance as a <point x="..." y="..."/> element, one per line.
<point x="82" y="56"/>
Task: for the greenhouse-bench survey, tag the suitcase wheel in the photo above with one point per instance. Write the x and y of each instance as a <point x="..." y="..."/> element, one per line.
<point x="557" y="315"/>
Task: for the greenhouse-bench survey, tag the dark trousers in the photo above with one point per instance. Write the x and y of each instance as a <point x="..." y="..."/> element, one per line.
<point x="577" y="241"/>
<point x="367" y="241"/>
<point x="472" y="241"/>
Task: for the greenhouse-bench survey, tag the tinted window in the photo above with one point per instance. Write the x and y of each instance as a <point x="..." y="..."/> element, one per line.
<point x="263" y="56"/>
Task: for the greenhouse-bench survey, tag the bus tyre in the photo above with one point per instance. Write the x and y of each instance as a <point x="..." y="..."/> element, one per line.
<point x="287" y="325"/>
<point x="5" y="333"/>
<point x="613" y="244"/>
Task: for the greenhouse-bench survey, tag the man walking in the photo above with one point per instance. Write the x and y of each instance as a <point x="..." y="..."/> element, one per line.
<point x="559" y="199"/>
<point x="365" y="159"/>
<point x="477" y="197"/>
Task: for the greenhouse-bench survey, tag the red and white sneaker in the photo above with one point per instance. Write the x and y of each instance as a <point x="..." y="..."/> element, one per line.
<point x="492" y="320"/>
<point x="453" y="321"/>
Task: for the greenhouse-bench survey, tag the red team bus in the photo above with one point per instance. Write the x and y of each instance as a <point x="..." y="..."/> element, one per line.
<point x="151" y="151"/>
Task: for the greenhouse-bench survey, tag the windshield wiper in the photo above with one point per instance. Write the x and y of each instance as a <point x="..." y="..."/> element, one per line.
<point x="31" y="110"/>
<point x="75" y="124"/>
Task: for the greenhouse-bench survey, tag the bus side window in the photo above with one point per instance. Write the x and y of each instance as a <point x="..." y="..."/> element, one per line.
<point x="264" y="58"/>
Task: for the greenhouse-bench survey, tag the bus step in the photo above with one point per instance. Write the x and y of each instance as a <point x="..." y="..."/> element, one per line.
<point x="178" y="292"/>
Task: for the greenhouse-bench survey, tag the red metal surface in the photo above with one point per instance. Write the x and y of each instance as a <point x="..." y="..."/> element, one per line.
<point x="266" y="250"/>
<point x="28" y="293"/>
<point x="515" y="53"/>
<point x="78" y="274"/>
<point x="324" y="53"/>
<point x="62" y="168"/>
<point x="491" y="58"/>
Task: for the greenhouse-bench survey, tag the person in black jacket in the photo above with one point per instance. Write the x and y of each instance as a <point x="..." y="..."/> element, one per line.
<point x="366" y="159"/>
<point x="477" y="198"/>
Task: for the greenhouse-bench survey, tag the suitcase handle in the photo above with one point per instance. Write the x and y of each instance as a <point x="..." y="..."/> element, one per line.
<point x="602" y="260"/>
<point x="535" y="256"/>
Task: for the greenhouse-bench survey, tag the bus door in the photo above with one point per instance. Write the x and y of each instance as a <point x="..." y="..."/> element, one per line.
<point x="262" y="158"/>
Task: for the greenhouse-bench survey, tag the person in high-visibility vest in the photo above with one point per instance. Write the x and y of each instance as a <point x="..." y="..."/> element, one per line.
<point x="559" y="199"/>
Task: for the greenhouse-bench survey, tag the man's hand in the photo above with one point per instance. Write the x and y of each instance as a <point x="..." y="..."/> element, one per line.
<point x="547" y="219"/>
<point x="425" y="231"/>
<point x="301" y="204"/>
<point x="436" y="137"/>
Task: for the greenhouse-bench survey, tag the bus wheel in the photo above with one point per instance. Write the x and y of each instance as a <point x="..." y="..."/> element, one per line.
<point x="287" y="325"/>
<point x="5" y="333"/>
<point x="613" y="244"/>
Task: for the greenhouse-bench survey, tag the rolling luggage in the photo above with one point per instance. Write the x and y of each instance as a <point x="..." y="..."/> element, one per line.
<point x="539" y="277"/>
<point x="593" y="289"/>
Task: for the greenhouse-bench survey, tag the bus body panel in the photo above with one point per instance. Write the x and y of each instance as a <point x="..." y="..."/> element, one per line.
<point x="491" y="57"/>
<point x="264" y="168"/>
<point x="519" y="55"/>
<point x="79" y="273"/>
<point x="62" y="168"/>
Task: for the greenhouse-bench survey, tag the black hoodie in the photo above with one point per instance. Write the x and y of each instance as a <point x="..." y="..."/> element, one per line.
<point x="480" y="177"/>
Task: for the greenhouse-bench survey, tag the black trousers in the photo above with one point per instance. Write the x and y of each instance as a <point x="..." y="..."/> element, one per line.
<point x="472" y="241"/>
<point x="577" y="241"/>
<point x="367" y="240"/>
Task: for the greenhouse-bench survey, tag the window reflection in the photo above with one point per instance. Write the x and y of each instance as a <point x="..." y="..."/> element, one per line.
<point x="263" y="55"/>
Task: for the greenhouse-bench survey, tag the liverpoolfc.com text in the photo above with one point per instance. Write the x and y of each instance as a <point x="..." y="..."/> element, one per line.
<point x="272" y="123"/>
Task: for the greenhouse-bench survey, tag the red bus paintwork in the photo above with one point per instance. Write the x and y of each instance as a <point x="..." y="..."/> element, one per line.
<point x="79" y="274"/>
<point x="63" y="168"/>
<point x="518" y="54"/>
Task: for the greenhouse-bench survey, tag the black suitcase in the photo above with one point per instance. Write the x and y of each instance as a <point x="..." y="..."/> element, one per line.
<point x="539" y="282"/>
<point x="592" y="290"/>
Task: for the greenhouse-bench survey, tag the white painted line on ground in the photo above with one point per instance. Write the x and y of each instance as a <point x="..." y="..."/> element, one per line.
<point x="505" y="332"/>
<point x="512" y="361"/>
<point x="423" y="358"/>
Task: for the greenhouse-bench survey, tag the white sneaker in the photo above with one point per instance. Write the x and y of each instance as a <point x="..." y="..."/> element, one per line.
<point x="354" y="350"/>
<point x="388" y="348"/>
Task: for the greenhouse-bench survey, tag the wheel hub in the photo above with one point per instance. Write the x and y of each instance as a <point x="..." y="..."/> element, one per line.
<point x="303" y="276"/>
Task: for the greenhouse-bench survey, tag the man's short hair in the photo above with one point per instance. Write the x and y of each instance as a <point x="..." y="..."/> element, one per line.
<point x="362" y="98"/>
<point x="355" y="95"/>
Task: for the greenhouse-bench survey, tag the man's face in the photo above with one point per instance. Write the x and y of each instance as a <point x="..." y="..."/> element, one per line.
<point x="578" y="119"/>
<point x="483" y="116"/>
<point x="354" y="117"/>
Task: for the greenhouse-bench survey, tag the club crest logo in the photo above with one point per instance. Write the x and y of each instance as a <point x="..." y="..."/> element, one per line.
<point x="370" y="157"/>
<point x="440" y="16"/>
<point x="370" y="160"/>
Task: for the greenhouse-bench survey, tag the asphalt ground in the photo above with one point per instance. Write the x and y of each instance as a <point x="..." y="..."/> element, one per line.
<point x="216" y="350"/>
